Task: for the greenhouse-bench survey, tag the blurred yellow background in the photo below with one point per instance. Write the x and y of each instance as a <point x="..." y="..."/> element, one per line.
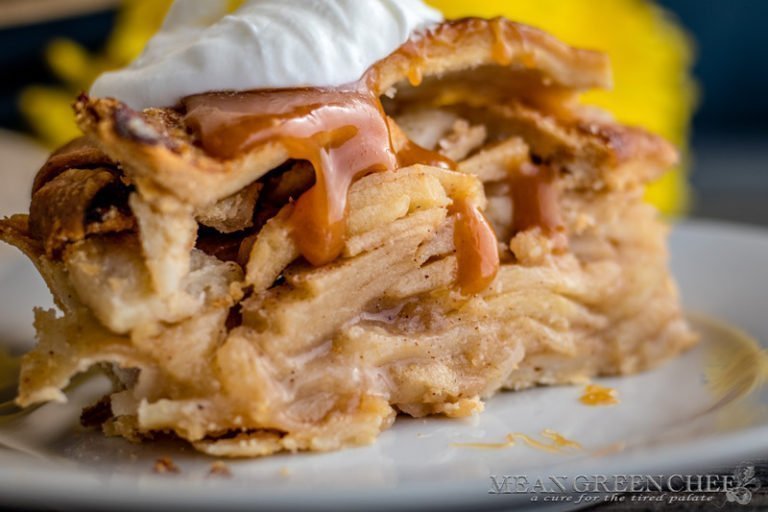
<point x="651" y="58"/>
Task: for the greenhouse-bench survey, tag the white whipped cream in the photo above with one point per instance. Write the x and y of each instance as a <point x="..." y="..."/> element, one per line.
<point x="265" y="44"/>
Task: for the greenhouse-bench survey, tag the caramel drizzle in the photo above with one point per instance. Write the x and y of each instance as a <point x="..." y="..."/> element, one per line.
<point x="416" y="71"/>
<point x="502" y="31"/>
<point x="502" y="50"/>
<point x="477" y="251"/>
<point x="599" y="395"/>
<point x="341" y="132"/>
<point x="411" y="153"/>
<point x="535" y="199"/>
<point x="557" y="443"/>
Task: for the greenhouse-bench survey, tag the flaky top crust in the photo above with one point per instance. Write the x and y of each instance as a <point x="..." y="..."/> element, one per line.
<point x="154" y="146"/>
<point x="157" y="153"/>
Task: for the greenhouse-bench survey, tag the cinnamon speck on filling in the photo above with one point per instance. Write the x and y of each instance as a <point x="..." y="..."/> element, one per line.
<point x="165" y="465"/>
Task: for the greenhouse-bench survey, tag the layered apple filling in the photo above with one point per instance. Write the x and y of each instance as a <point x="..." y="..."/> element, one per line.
<point x="291" y="269"/>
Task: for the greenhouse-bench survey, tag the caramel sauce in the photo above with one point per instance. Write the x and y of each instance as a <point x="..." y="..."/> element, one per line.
<point x="477" y="251"/>
<point x="502" y="50"/>
<point x="343" y="133"/>
<point x="503" y="31"/>
<point x="411" y="153"/>
<point x="535" y="199"/>
<point x="559" y="440"/>
<point x="599" y="395"/>
<point x="416" y="71"/>
<point x="557" y="443"/>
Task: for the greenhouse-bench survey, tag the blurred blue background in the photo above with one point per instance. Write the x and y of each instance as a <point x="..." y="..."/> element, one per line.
<point x="730" y="137"/>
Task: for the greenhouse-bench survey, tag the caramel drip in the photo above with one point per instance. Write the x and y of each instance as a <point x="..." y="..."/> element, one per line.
<point x="557" y="442"/>
<point x="502" y="31"/>
<point x="599" y="395"/>
<point x="535" y="199"/>
<point x="477" y="251"/>
<point x="416" y="71"/>
<point x="342" y="132"/>
<point x="502" y="50"/>
<point x="411" y="153"/>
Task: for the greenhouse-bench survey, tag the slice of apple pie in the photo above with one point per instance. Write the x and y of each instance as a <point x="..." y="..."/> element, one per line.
<point x="290" y="269"/>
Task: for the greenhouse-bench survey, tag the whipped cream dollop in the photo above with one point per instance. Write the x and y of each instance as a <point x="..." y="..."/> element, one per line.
<point x="264" y="44"/>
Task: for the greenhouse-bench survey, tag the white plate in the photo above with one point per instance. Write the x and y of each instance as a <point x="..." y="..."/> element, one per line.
<point x="668" y="420"/>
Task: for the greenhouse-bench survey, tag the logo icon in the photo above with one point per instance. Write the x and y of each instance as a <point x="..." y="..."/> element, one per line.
<point x="745" y="483"/>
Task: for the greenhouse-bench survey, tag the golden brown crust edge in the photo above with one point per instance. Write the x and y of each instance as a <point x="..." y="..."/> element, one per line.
<point x="156" y="150"/>
<point x="466" y="44"/>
